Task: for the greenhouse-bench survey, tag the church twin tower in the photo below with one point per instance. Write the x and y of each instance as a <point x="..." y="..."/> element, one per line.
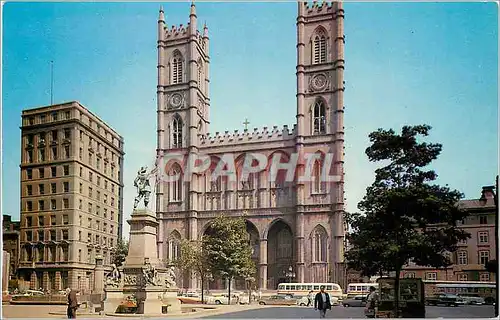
<point x="292" y="225"/>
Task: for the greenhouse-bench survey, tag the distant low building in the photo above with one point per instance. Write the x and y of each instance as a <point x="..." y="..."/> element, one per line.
<point x="11" y="243"/>
<point x="473" y="254"/>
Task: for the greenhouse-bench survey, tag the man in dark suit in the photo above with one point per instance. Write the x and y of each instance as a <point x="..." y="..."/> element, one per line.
<point x="322" y="302"/>
<point x="72" y="303"/>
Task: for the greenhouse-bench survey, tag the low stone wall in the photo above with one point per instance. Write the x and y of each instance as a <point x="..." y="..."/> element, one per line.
<point x="45" y="299"/>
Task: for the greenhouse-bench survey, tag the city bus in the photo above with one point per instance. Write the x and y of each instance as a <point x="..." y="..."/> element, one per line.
<point x="485" y="290"/>
<point x="302" y="289"/>
<point x="355" y="289"/>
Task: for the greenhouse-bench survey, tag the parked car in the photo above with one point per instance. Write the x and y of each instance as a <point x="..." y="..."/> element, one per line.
<point x="356" y="301"/>
<point x="278" y="300"/>
<point x="444" y="299"/>
<point x="471" y="298"/>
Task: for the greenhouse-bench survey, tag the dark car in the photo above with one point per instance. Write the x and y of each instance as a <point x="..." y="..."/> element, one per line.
<point x="444" y="299"/>
<point x="356" y="301"/>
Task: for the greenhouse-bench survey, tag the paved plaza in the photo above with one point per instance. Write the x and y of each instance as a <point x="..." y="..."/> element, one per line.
<point x="262" y="312"/>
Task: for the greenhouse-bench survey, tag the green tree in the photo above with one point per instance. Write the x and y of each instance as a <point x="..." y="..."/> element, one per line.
<point x="193" y="259"/>
<point x="404" y="217"/>
<point x="228" y="250"/>
<point x="120" y="253"/>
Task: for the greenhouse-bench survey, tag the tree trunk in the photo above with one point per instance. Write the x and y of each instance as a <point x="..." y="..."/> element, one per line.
<point x="396" y="293"/>
<point x="202" y="288"/>
<point x="229" y="292"/>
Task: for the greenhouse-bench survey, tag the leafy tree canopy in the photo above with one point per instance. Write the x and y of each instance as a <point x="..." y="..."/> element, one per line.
<point x="405" y="217"/>
<point x="227" y="248"/>
<point x="120" y="253"/>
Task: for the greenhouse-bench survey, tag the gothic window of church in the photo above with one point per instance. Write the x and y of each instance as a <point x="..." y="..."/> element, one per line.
<point x="318" y="186"/>
<point x="200" y="74"/>
<point x="319" y="48"/>
<point x="175" y="187"/>
<point x="177" y="132"/>
<point x="319" y="244"/>
<point x="284" y="244"/>
<point x="174" y="249"/>
<point x="319" y="118"/>
<point x="177" y="68"/>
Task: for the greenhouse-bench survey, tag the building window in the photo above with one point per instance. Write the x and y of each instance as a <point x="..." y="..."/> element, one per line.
<point x="41" y="205"/>
<point x="200" y="74"/>
<point x="462" y="277"/>
<point x="177" y="68"/>
<point x="80" y="154"/>
<point x="462" y="257"/>
<point x="54" y="153"/>
<point x="484" y="277"/>
<point x="41" y="154"/>
<point x="29" y="156"/>
<point x="91" y="177"/>
<point x="67" y="133"/>
<point x="319" y="118"/>
<point x="431" y="276"/>
<point x="319" y="245"/>
<point x="66" y="152"/>
<point x="53" y="171"/>
<point x="54" y="135"/>
<point x="319" y="185"/>
<point x="65" y="235"/>
<point x="41" y="221"/>
<point x="483" y="219"/>
<point x="177" y="132"/>
<point x="90" y="192"/>
<point x="66" y="186"/>
<point x="320" y="48"/>
<point x="29" y="190"/>
<point x="53" y="204"/>
<point x="80" y="204"/>
<point x="54" y="116"/>
<point x="65" y="203"/>
<point x="29" y="174"/>
<point x="53" y="187"/>
<point x="31" y="121"/>
<point x="29" y="206"/>
<point x="462" y="242"/>
<point x="409" y="275"/>
<point x="484" y="257"/>
<point x="175" y="187"/>
<point x="483" y="237"/>
<point x="67" y="114"/>
<point x="41" y="235"/>
<point x="80" y="251"/>
<point x="41" y="173"/>
<point x="53" y="220"/>
<point x="66" y="170"/>
<point x="98" y="163"/>
<point x="41" y="189"/>
<point x="53" y="236"/>
<point x="65" y="219"/>
<point x="81" y="188"/>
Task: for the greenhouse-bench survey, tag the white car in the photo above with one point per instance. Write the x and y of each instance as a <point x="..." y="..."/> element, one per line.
<point x="472" y="299"/>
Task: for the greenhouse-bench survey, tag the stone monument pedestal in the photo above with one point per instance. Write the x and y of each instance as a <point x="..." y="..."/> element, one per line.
<point x="150" y="301"/>
<point x="172" y="302"/>
<point x="143" y="277"/>
<point x="112" y="300"/>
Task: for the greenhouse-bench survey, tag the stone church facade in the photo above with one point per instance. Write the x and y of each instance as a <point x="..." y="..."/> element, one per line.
<point x="296" y="226"/>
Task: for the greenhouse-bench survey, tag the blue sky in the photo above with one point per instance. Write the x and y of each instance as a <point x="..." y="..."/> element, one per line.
<point x="406" y="63"/>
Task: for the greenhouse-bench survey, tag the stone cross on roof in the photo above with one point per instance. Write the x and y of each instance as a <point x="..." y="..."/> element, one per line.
<point x="246" y="123"/>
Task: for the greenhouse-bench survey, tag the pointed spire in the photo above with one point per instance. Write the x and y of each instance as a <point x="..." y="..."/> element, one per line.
<point x="161" y="16"/>
<point x="205" y="29"/>
<point x="193" y="9"/>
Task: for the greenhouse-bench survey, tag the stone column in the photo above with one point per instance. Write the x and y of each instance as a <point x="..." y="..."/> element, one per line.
<point x="5" y="271"/>
<point x="263" y="264"/>
<point x="33" y="281"/>
<point x="99" y="275"/>
<point x="45" y="280"/>
<point x="58" y="281"/>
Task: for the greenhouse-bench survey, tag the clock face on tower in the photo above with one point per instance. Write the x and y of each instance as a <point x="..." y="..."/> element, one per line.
<point x="319" y="82"/>
<point x="175" y="101"/>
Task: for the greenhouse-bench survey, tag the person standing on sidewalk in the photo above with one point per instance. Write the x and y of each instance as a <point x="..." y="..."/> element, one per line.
<point x="310" y="298"/>
<point x="322" y="302"/>
<point x="72" y="303"/>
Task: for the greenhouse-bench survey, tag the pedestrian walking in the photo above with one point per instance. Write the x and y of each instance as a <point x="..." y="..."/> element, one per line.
<point x="72" y="303"/>
<point x="310" y="298"/>
<point x="322" y="302"/>
<point x="371" y="303"/>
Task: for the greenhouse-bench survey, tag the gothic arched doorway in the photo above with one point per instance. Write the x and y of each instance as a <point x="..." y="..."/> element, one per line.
<point x="280" y="253"/>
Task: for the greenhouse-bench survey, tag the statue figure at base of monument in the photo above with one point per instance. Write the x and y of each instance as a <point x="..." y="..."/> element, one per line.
<point x="150" y="275"/>
<point x="141" y="182"/>
<point x="113" y="279"/>
<point x="170" y="279"/>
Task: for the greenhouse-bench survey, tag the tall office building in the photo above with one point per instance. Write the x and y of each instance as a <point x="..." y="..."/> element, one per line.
<point x="71" y="196"/>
